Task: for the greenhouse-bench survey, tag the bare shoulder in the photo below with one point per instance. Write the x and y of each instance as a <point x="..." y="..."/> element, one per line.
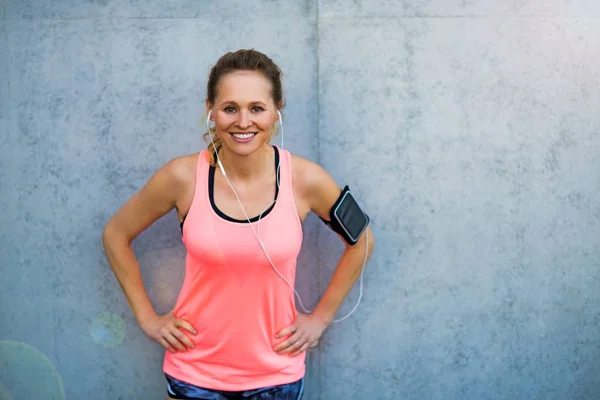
<point x="181" y="171"/>
<point x="305" y="173"/>
<point x="172" y="178"/>
<point x="315" y="185"/>
<point x="169" y="187"/>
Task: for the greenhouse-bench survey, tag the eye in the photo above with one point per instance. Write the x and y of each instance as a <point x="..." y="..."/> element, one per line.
<point x="257" y="109"/>
<point x="229" y="109"/>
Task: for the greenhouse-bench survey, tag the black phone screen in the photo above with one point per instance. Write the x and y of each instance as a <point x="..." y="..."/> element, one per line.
<point x="350" y="216"/>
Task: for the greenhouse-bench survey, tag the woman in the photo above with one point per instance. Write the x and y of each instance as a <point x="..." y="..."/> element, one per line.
<point x="234" y="331"/>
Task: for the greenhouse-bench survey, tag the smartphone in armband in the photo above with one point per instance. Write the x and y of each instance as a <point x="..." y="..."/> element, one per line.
<point x="347" y="218"/>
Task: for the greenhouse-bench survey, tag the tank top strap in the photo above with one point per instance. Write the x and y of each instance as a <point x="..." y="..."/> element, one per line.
<point x="200" y="189"/>
<point x="201" y="181"/>
<point x="286" y="184"/>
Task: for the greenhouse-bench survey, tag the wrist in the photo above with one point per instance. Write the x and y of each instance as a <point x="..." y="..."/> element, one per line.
<point x="144" y="318"/>
<point x="324" y="318"/>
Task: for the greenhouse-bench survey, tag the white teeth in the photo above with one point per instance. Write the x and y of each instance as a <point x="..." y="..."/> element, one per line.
<point x="243" y="135"/>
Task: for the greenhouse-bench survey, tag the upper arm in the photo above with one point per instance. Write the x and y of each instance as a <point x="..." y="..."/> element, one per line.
<point x="318" y="189"/>
<point x="156" y="198"/>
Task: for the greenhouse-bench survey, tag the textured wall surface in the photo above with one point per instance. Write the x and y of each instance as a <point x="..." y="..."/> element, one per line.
<point x="469" y="130"/>
<point x="474" y="137"/>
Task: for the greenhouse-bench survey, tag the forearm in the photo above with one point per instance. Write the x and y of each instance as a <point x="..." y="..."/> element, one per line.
<point x="344" y="277"/>
<point x="124" y="264"/>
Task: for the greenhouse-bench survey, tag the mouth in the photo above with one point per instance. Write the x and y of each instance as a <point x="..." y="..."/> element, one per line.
<point x="243" y="136"/>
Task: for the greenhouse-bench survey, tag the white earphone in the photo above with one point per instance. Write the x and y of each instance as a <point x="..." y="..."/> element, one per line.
<point x="257" y="230"/>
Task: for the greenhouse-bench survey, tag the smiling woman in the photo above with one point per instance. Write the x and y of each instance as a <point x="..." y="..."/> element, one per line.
<point x="244" y="92"/>
<point x="250" y="118"/>
<point x="235" y="330"/>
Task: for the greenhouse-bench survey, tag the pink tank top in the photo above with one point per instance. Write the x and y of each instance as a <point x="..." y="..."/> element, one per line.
<point x="232" y="295"/>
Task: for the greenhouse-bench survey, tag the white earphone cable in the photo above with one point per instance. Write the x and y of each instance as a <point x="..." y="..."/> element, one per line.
<point x="257" y="230"/>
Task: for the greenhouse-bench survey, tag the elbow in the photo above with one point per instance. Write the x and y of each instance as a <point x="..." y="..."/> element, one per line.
<point x="111" y="235"/>
<point x="107" y="235"/>
<point x="366" y="241"/>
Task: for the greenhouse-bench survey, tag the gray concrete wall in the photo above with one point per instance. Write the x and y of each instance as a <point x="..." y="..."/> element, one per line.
<point x="469" y="130"/>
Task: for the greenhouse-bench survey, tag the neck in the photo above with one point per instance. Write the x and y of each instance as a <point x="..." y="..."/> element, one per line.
<point x="249" y="167"/>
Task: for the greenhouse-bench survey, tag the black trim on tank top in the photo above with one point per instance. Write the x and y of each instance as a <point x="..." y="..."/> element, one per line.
<point x="211" y="184"/>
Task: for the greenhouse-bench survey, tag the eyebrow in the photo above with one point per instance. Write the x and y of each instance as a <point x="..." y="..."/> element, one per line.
<point x="234" y="103"/>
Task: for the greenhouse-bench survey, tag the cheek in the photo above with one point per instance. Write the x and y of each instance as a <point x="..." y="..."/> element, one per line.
<point x="266" y="123"/>
<point x="223" y="125"/>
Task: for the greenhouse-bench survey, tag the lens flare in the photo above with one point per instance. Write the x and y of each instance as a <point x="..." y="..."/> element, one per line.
<point x="4" y="395"/>
<point x="27" y="372"/>
<point x="108" y="330"/>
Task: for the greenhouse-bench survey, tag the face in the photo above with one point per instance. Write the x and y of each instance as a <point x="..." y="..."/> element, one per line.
<point x="243" y="111"/>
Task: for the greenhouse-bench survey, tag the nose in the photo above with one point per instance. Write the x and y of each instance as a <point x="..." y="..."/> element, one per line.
<point x="244" y="120"/>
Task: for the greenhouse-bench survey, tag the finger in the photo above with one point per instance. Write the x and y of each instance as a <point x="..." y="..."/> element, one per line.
<point x="173" y="341"/>
<point x="299" y="344"/>
<point x="286" y="331"/>
<point x="300" y="350"/>
<point x="166" y="345"/>
<point x="293" y="342"/>
<point x="180" y="323"/>
<point x="183" y="338"/>
<point x="288" y="342"/>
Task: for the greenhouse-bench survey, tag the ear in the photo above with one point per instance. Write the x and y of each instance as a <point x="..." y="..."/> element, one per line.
<point x="208" y="107"/>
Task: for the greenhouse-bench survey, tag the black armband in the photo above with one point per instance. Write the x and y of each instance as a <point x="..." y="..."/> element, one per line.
<point x="346" y="217"/>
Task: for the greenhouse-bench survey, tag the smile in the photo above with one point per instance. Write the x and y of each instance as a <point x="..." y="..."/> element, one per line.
<point x="243" y="135"/>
